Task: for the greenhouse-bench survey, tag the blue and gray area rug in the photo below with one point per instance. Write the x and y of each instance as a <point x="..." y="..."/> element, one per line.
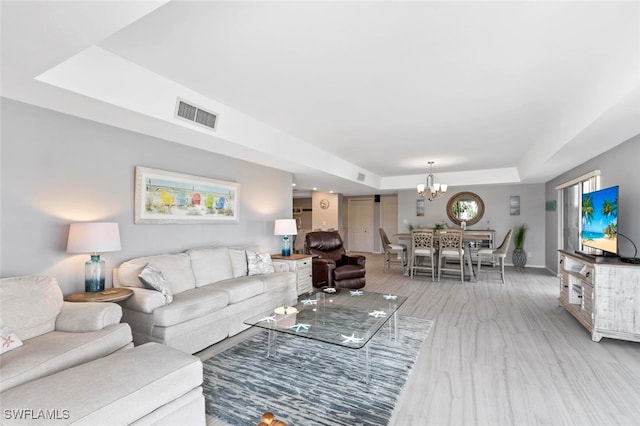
<point x="312" y="383"/>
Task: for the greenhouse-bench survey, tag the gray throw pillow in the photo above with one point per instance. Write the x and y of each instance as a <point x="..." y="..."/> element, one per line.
<point x="259" y="263"/>
<point x="152" y="278"/>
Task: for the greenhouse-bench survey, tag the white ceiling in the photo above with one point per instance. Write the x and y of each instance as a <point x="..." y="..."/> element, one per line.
<point x="493" y="92"/>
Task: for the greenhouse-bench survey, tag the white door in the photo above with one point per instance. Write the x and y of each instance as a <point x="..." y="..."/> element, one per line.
<point x="389" y="216"/>
<point x="361" y="232"/>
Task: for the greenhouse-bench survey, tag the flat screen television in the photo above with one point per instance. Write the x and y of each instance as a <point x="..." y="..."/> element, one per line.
<point x="600" y="221"/>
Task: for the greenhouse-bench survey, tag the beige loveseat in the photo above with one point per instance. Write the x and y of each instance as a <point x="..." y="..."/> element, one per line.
<point x="213" y="291"/>
<point x="71" y="363"/>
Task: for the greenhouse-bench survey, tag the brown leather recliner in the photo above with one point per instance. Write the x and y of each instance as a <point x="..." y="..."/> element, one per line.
<point x="332" y="267"/>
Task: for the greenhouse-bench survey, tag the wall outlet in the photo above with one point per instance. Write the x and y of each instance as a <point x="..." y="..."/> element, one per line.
<point x="405" y="221"/>
<point x="529" y="254"/>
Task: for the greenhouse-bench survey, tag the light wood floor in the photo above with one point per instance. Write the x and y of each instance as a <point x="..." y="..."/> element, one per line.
<point x="506" y="354"/>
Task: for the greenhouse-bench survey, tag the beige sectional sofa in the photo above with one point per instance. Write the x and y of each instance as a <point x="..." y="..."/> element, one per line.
<point x="213" y="291"/>
<point x="55" y="335"/>
<point x="74" y="363"/>
<point x="147" y="385"/>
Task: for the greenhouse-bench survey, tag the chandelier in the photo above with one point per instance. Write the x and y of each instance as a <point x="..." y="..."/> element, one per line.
<point x="431" y="190"/>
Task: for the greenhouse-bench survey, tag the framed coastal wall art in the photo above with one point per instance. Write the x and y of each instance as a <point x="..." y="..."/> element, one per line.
<point x="168" y="197"/>
<point x="514" y="205"/>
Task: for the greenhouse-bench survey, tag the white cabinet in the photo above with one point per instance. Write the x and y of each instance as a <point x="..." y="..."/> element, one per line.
<point x="603" y="296"/>
<point x="301" y="265"/>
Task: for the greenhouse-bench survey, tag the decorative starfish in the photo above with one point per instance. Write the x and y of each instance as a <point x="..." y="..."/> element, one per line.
<point x="357" y="292"/>
<point x="309" y="301"/>
<point x="352" y="338"/>
<point x="378" y="314"/>
<point x="300" y="327"/>
<point x="390" y="296"/>
<point x="7" y="341"/>
<point x="271" y="318"/>
<point x="330" y="290"/>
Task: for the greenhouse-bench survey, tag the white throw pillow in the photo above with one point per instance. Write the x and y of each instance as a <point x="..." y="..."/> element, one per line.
<point x="210" y="265"/>
<point x="8" y="340"/>
<point x="259" y="263"/>
<point x="152" y="278"/>
<point x="238" y="262"/>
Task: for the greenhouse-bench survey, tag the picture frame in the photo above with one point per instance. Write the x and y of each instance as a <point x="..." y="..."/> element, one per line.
<point x="514" y="205"/>
<point x="420" y="207"/>
<point x="550" y="206"/>
<point x="169" y="197"/>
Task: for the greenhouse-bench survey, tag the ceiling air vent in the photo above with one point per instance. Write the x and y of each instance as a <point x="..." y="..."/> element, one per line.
<point x="361" y="177"/>
<point x="195" y="114"/>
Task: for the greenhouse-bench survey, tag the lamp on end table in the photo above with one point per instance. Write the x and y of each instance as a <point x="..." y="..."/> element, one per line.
<point x="94" y="238"/>
<point x="285" y="227"/>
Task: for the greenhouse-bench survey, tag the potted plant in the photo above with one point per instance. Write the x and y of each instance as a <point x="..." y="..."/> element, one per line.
<point x="519" y="256"/>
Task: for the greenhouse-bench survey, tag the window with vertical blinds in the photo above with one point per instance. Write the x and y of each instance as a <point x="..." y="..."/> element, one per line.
<point x="569" y="196"/>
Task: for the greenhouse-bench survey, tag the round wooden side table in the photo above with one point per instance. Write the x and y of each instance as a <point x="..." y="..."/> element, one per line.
<point x="115" y="294"/>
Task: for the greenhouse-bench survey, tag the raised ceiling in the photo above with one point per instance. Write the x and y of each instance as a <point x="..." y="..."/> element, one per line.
<point x="493" y="92"/>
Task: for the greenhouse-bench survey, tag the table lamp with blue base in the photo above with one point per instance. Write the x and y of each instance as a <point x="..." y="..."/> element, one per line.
<point x="285" y="227"/>
<point x="93" y="238"/>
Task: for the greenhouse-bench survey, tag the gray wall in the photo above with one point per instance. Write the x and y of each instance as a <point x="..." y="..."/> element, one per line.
<point x="58" y="169"/>
<point x="618" y="166"/>
<point x="496" y="202"/>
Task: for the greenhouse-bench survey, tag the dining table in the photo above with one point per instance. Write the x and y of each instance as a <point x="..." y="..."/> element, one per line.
<point x="468" y="238"/>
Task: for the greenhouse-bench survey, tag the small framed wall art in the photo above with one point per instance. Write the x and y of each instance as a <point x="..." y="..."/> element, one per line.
<point x="420" y="207"/>
<point x="514" y="205"/>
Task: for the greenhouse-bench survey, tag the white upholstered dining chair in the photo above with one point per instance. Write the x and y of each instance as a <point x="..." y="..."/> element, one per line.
<point x="450" y="248"/>
<point x="498" y="254"/>
<point x="421" y="251"/>
<point x="393" y="253"/>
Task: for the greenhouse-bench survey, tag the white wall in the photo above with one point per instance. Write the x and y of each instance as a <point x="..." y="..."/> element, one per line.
<point x="618" y="166"/>
<point x="325" y="218"/>
<point x="58" y="169"/>
<point x="496" y="202"/>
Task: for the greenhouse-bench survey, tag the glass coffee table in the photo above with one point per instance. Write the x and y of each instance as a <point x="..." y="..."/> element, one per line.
<point x="343" y="317"/>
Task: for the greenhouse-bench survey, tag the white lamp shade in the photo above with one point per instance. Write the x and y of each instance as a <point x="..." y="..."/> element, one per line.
<point x="93" y="237"/>
<point x="285" y="227"/>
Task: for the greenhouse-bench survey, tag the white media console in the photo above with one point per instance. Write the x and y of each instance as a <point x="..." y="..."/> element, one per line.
<point x="604" y="296"/>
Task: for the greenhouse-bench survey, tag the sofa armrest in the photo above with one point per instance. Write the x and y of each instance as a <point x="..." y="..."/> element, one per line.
<point x="80" y="317"/>
<point x="353" y="260"/>
<point x="144" y="300"/>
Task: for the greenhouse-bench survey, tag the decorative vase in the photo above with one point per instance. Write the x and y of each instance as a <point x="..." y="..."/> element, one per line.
<point x="519" y="258"/>
<point x="286" y="246"/>
<point x="94" y="274"/>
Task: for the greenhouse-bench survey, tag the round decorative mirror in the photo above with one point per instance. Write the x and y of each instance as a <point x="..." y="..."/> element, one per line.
<point x="465" y="206"/>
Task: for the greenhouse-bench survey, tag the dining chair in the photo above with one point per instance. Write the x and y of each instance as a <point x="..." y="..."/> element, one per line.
<point x="299" y="241"/>
<point x="450" y="247"/>
<point x="498" y="254"/>
<point x="421" y="250"/>
<point x="393" y="253"/>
